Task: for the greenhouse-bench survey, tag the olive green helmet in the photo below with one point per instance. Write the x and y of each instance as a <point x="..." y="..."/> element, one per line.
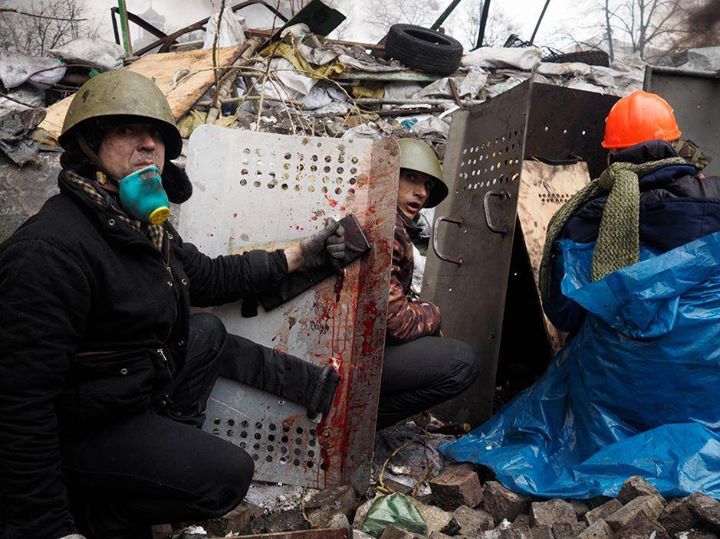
<point x="119" y="95"/>
<point x="418" y="155"/>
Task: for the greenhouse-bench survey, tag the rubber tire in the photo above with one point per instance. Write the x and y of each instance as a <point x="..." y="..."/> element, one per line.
<point x="593" y="58"/>
<point x="424" y="49"/>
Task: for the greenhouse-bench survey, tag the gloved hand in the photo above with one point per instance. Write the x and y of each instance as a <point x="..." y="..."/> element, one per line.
<point x="328" y="245"/>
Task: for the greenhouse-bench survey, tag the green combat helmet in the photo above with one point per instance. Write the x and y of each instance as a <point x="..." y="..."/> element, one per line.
<point x="121" y="94"/>
<point x="418" y="155"/>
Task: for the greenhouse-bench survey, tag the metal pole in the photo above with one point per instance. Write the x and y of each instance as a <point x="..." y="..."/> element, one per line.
<point x="445" y="15"/>
<point x="125" y="27"/>
<point x="539" y="21"/>
<point x="483" y="21"/>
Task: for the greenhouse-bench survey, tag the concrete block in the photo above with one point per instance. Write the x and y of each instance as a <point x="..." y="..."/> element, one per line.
<point x="455" y="486"/>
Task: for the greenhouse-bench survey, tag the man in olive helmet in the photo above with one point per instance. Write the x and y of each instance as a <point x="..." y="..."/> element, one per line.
<point x="104" y="373"/>
<point x="420" y="368"/>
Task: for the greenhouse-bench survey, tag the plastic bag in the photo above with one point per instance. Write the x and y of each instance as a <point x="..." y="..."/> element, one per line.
<point x="95" y="52"/>
<point x="633" y="393"/>
<point x="396" y="510"/>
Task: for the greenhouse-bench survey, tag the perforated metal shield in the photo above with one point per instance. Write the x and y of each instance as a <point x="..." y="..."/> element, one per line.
<point x="261" y="190"/>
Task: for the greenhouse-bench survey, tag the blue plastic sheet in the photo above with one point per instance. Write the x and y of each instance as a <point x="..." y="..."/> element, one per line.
<point x="635" y="392"/>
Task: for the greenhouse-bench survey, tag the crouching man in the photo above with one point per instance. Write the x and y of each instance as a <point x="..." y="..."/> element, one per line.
<point x="420" y="368"/>
<point x="104" y="372"/>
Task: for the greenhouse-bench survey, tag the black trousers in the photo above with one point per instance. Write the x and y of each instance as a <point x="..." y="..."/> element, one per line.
<point x="423" y="373"/>
<point x="158" y="466"/>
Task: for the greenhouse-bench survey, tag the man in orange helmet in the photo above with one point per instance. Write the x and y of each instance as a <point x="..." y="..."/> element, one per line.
<point x="677" y="203"/>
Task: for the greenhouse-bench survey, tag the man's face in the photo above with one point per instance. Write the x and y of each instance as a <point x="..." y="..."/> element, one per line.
<point x="130" y="147"/>
<point x="413" y="191"/>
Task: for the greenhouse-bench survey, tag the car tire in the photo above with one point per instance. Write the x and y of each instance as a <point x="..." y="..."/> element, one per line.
<point x="423" y="49"/>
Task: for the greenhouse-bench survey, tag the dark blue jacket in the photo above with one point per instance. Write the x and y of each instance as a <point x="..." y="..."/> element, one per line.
<point x="677" y="205"/>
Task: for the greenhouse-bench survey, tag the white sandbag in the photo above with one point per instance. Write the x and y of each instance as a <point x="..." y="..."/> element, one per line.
<point x="17" y="69"/>
<point x="524" y="58"/>
<point x="96" y="52"/>
<point x="232" y="30"/>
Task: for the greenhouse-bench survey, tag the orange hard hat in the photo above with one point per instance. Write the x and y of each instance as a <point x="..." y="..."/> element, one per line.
<point x="639" y="117"/>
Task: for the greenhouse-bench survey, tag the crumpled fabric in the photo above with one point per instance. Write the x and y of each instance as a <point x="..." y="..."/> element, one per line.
<point x="15" y="126"/>
<point x="633" y="393"/>
<point x="93" y="51"/>
<point x="301" y="65"/>
<point x="524" y="58"/>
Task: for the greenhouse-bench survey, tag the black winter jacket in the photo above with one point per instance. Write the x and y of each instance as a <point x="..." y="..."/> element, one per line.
<point x="93" y="325"/>
<point x="677" y="205"/>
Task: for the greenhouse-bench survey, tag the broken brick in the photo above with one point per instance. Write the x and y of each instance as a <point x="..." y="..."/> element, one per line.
<point x="637" y="486"/>
<point x="502" y="503"/>
<point x="599" y="529"/>
<point x="551" y="512"/>
<point x="602" y="511"/>
<point x="523" y="532"/>
<point x="455" y="486"/>
<point x="285" y="521"/>
<point x="435" y="518"/>
<point x="521" y="520"/>
<point x="649" y="505"/>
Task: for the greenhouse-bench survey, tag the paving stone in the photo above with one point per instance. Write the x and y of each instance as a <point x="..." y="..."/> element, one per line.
<point x="581" y="508"/>
<point x="649" y="505"/>
<point x="393" y="532"/>
<point x="285" y="521"/>
<point x="502" y="503"/>
<point x="523" y="532"/>
<point x="707" y="511"/>
<point x="435" y="518"/>
<point x="642" y="527"/>
<point x="599" y="529"/>
<point x="473" y="521"/>
<point x="341" y="499"/>
<point x="606" y="509"/>
<point x="637" y="486"/>
<point x="455" y="486"/>
<point x="551" y="512"/>
<point x="677" y="516"/>
<point x="521" y="520"/>
<point x="542" y="532"/>
<point x="357" y="534"/>
<point x="238" y="520"/>
<point x="695" y="534"/>
<point x="567" y="530"/>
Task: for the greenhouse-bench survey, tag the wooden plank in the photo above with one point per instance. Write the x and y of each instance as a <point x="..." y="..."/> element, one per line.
<point x="162" y="68"/>
<point x="543" y="191"/>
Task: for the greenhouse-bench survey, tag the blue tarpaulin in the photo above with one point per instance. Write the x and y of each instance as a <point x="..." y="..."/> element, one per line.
<point x="635" y="392"/>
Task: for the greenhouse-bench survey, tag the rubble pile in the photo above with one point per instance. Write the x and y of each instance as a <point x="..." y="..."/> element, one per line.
<point x="462" y="506"/>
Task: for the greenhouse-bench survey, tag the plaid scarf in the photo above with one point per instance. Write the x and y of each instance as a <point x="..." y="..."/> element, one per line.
<point x="154" y="232"/>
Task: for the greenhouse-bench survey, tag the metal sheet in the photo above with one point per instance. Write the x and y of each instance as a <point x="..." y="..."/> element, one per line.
<point x="565" y="122"/>
<point x="695" y="99"/>
<point x="482" y="166"/>
<point x="257" y="189"/>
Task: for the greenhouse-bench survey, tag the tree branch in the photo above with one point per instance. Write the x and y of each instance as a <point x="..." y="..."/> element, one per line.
<point x="48" y="17"/>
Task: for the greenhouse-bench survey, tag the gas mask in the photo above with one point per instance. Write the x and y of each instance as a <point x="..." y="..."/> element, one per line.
<point x="142" y="196"/>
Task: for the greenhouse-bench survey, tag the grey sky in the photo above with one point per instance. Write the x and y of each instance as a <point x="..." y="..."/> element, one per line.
<point x="561" y="13"/>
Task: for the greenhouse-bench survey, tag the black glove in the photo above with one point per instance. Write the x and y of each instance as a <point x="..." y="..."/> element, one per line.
<point x="328" y="245"/>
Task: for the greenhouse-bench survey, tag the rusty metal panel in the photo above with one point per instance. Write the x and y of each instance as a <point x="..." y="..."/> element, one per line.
<point x="543" y="191"/>
<point x="260" y="189"/>
<point x="695" y="99"/>
<point x="466" y="274"/>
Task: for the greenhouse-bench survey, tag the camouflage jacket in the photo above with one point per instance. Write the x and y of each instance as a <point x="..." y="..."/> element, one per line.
<point x="407" y="319"/>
